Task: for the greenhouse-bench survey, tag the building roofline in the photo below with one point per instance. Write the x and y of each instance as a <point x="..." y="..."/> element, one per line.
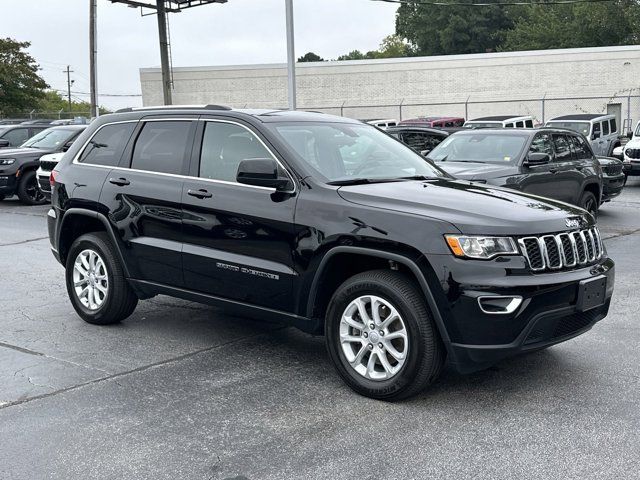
<point x="383" y="61"/>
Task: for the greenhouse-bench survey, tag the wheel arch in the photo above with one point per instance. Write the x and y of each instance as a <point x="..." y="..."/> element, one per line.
<point x="594" y="188"/>
<point x="79" y="221"/>
<point x="319" y="298"/>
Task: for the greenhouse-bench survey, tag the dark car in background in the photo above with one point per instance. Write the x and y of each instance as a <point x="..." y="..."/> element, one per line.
<point x="14" y="135"/>
<point x="548" y="162"/>
<point x="421" y="139"/>
<point x="18" y="165"/>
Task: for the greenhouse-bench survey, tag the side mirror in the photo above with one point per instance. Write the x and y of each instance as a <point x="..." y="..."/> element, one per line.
<point x="630" y="134"/>
<point x="66" y="146"/>
<point x="537" y="158"/>
<point x="595" y="135"/>
<point x="4" y="143"/>
<point x="262" y="172"/>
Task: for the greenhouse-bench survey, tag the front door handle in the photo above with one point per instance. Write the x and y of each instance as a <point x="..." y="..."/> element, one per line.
<point x="121" y="182"/>
<point x="553" y="170"/>
<point x="202" y="193"/>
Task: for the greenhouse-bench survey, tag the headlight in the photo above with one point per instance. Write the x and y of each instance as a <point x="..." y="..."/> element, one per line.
<point x="481" y="247"/>
<point x="7" y="161"/>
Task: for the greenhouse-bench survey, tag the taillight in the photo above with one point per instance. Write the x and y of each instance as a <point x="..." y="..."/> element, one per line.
<point x="52" y="178"/>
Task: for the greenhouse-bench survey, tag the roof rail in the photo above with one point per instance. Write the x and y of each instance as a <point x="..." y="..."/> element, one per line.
<point x="173" y="107"/>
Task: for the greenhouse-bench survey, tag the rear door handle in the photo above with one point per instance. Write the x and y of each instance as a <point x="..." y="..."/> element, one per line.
<point x="202" y="193"/>
<point x="121" y="182"/>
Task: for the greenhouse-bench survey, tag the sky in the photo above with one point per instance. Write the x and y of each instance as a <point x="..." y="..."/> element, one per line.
<point x="238" y="32"/>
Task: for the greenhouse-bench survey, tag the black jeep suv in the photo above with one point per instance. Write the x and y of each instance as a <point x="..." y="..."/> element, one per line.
<point x="326" y="224"/>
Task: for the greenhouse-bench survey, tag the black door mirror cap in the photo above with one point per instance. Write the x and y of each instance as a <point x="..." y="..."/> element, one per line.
<point x="537" y="158"/>
<point x="630" y="134"/>
<point x="4" y="143"/>
<point x="262" y="172"/>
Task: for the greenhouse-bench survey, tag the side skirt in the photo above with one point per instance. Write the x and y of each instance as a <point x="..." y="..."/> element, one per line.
<point x="146" y="289"/>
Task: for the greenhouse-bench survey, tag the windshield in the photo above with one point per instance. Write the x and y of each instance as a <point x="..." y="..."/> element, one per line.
<point x="580" y="127"/>
<point x="637" y="134"/>
<point x="480" y="148"/>
<point x="345" y="152"/>
<point x="50" y="138"/>
<point x="483" y="125"/>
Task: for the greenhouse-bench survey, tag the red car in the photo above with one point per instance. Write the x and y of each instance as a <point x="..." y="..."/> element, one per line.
<point x="434" y="122"/>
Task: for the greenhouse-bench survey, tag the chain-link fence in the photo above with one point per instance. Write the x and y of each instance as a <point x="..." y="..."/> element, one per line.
<point x="40" y="114"/>
<point x="626" y="108"/>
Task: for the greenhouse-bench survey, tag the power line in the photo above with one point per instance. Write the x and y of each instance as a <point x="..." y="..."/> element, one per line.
<point x="103" y="94"/>
<point x="489" y="4"/>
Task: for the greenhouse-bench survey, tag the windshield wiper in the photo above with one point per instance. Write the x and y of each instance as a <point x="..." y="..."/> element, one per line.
<point x="362" y="181"/>
<point x="418" y="177"/>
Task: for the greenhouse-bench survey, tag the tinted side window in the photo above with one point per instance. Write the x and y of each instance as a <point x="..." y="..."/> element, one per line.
<point x="509" y="125"/>
<point x="605" y="128"/>
<point x="542" y="144"/>
<point x="161" y="147"/>
<point x="561" y="146"/>
<point x="596" y="128"/>
<point x="614" y="127"/>
<point x="106" y="146"/>
<point x="520" y="124"/>
<point x="224" y="146"/>
<point x="528" y="123"/>
<point x="17" y="136"/>
<point x="582" y="149"/>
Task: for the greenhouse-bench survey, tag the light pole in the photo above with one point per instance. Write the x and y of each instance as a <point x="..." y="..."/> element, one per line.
<point x="291" y="56"/>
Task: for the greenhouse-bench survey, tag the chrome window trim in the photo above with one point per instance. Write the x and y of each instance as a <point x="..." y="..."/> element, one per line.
<point x="76" y="159"/>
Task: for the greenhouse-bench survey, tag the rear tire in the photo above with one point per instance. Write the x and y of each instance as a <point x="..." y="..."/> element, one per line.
<point x="28" y="190"/>
<point x="2" y="197"/>
<point x="351" y="349"/>
<point x="589" y="203"/>
<point x="95" y="279"/>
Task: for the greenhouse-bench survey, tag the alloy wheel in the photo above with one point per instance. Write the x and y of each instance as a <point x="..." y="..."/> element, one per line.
<point x="33" y="190"/>
<point x="90" y="279"/>
<point x="373" y="337"/>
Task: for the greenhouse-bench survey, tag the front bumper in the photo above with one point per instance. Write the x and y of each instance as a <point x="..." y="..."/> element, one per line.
<point x="612" y="186"/>
<point x="43" y="182"/>
<point x="8" y="184"/>
<point x="550" y="312"/>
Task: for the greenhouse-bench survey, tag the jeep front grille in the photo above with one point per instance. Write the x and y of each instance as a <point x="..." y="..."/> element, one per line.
<point x="613" y="169"/>
<point x="563" y="250"/>
<point x="632" y="152"/>
<point x="47" y="165"/>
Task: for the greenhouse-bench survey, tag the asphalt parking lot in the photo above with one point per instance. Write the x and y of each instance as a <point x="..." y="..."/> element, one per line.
<point x="182" y="390"/>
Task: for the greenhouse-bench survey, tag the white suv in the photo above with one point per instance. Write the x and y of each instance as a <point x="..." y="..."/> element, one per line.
<point x="601" y="130"/>
<point x="630" y="153"/>
<point x="500" y="121"/>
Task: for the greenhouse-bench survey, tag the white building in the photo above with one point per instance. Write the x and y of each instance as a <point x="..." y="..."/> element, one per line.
<point x="543" y="83"/>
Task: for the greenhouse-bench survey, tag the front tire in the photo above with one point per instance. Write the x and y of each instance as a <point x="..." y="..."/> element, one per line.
<point x="401" y="354"/>
<point x="589" y="203"/>
<point x="28" y="190"/>
<point x="96" y="284"/>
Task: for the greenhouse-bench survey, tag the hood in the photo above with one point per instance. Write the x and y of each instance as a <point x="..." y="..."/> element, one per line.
<point x="472" y="208"/>
<point x="477" y="171"/>
<point x="633" y="143"/>
<point x="52" y="157"/>
<point x="23" y="153"/>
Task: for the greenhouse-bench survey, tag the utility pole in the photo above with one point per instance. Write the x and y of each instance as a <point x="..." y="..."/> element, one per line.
<point x="291" y="56"/>
<point x="164" y="51"/>
<point x="68" y="71"/>
<point x="93" y="53"/>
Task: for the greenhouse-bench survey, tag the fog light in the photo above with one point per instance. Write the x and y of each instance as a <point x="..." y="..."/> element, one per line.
<point x="499" y="304"/>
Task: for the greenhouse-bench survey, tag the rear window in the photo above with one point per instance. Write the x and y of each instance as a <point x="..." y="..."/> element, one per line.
<point x="605" y="127"/>
<point x="528" y="123"/>
<point x="614" y="127"/>
<point x="161" y="147"/>
<point x="107" y="145"/>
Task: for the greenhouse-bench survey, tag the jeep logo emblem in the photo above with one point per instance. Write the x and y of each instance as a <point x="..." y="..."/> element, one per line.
<point x="573" y="222"/>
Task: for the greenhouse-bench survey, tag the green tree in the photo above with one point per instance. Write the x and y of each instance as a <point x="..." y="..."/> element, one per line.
<point x="575" y="25"/>
<point x="452" y="29"/>
<point x="53" y="102"/>
<point x="353" y="55"/>
<point x="20" y="85"/>
<point x="310" y="57"/>
<point x="393" y="46"/>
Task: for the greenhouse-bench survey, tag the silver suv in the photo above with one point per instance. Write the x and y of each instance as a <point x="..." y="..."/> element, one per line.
<point x="601" y="130"/>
